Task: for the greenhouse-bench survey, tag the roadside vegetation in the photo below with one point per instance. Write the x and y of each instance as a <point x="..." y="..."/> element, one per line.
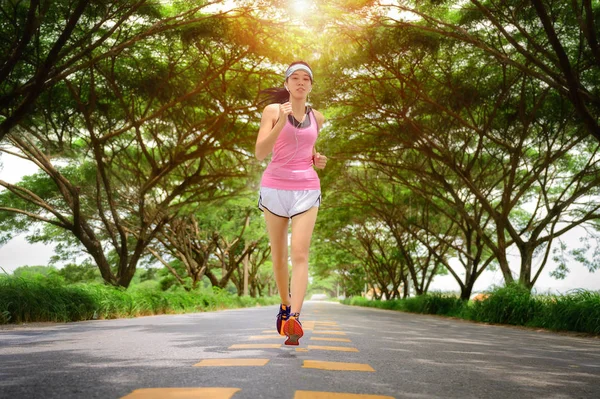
<point x="577" y="311"/>
<point x="35" y="297"/>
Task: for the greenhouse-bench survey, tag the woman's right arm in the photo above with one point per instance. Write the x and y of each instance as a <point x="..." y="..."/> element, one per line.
<point x="271" y="123"/>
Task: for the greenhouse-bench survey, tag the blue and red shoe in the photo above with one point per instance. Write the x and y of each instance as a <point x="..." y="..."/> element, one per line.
<point x="282" y="317"/>
<point x="292" y="329"/>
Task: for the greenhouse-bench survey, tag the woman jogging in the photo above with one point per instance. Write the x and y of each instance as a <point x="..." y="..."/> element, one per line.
<point x="290" y="188"/>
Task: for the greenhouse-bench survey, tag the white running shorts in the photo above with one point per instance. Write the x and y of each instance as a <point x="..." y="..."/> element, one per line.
<point x="288" y="203"/>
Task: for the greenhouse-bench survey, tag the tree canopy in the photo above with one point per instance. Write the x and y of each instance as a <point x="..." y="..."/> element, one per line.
<point x="458" y="133"/>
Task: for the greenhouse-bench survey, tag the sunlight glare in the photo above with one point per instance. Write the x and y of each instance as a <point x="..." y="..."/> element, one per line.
<point x="300" y="6"/>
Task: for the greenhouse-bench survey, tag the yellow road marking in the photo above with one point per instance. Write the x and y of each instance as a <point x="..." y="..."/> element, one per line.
<point x="255" y="346"/>
<point x="182" y="393"/>
<point x="334" y="395"/>
<point x="337" y="366"/>
<point x="301" y="350"/>
<point x="329" y="339"/>
<point x="332" y="348"/>
<point x="268" y="332"/>
<point x="257" y="337"/>
<point x="308" y="325"/>
<point x="325" y="322"/>
<point x="330" y="332"/>
<point x="231" y="362"/>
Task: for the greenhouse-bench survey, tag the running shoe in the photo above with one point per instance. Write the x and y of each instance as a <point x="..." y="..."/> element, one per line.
<point x="292" y="329"/>
<point x="282" y="317"/>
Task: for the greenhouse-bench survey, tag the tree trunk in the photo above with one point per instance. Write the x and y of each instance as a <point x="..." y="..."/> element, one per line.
<point x="246" y="260"/>
<point x="503" y="262"/>
<point x="526" y="252"/>
<point x="246" y="272"/>
<point x="471" y="277"/>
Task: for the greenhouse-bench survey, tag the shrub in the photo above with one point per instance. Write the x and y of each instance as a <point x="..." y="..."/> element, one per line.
<point x="513" y="304"/>
<point x="576" y="311"/>
<point x="50" y="298"/>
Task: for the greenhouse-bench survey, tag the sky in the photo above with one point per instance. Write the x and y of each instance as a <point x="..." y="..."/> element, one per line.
<point x="18" y="252"/>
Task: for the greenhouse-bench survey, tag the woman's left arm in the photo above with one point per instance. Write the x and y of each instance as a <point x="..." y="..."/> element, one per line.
<point x="319" y="160"/>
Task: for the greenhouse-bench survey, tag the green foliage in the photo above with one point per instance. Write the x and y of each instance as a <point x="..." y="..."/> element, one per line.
<point x="577" y="311"/>
<point x="513" y="304"/>
<point x="434" y="303"/>
<point x="73" y="273"/>
<point x="38" y="298"/>
<point x="24" y="271"/>
<point x="322" y="286"/>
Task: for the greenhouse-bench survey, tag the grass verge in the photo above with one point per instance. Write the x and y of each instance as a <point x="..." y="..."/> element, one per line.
<point x="577" y="311"/>
<point x="40" y="298"/>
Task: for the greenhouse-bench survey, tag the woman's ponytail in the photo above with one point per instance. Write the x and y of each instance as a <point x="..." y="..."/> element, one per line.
<point x="277" y="95"/>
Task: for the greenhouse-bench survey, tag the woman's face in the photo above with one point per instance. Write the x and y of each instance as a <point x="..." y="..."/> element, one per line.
<point x="299" y="84"/>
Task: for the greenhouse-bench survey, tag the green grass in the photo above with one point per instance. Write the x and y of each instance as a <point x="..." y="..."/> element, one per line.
<point x="40" y="298"/>
<point x="578" y="311"/>
<point x="435" y="303"/>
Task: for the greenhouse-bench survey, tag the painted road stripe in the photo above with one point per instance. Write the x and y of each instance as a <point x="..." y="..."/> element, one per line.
<point x="308" y="325"/>
<point x="337" y="366"/>
<point x="326" y="322"/>
<point x="330" y="332"/>
<point x="255" y="346"/>
<point x="257" y="337"/>
<point x="182" y="393"/>
<point x="332" y="348"/>
<point x="329" y="339"/>
<point x="335" y="395"/>
<point x="231" y="362"/>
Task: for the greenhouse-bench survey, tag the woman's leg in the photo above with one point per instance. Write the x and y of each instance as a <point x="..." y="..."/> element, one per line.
<point x="277" y="228"/>
<point x="302" y="229"/>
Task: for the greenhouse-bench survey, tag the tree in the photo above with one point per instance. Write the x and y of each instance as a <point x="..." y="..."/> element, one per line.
<point x="237" y="231"/>
<point x="34" y="60"/>
<point x="479" y="133"/>
<point x="554" y="43"/>
<point x="214" y="242"/>
<point x="182" y="239"/>
<point x="260" y="273"/>
<point x="139" y="147"/>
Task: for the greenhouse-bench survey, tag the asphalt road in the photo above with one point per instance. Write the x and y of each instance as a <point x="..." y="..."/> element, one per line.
<point x="366" y="353"/>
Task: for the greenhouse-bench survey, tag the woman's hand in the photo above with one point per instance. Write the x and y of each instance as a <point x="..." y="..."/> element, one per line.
<point x="284" y="110"/>
<point x="320" y="161"/>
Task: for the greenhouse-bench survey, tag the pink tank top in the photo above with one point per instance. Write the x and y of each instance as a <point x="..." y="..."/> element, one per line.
<point x="291" y="166"/>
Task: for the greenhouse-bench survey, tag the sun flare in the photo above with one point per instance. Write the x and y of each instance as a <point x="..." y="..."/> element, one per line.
<point x="300" y="6"/>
